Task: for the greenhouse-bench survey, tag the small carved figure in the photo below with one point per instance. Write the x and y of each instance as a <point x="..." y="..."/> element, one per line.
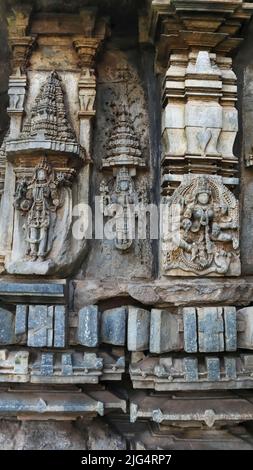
<point x="208" y="227"/>
<point x="120" y="201"/>
<point x="38" y="199"/>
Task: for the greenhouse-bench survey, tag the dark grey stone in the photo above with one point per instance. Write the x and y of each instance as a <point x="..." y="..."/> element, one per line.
<point x="113" y="326"/>
<point x="191" y="369"/>
<point x="47" y="364"/>
<point x="33" y="292"/>
<point x="59" y="326"/>
<point x="138" y="329"/>
<point x="230" y="328"/>
<point x="40" y="326"/>
<point x="210" y="329"/>
<point x="190" y="329"/>
<point x="164" y="332"/>
<point x="213" y="368"/>
<point x="230" y="367"/>
<point x="88" y="326"/>
<point x="67" y="367"/>
<point x="91" y="361"/>
<point x="21" y="319"/>
<point x="7" y="335"/>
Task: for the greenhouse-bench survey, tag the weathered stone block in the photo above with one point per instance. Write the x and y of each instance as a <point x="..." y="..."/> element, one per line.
<point x="40" y="326"/>
<point x="91" y="361"/>
<point x="21" y="362"/>
<point x="59" y="326"/>
<point x="47" y="364"/>
<point x="245" y="336"/>
<point x="7" y="335"/>
<point x="138" y="329"/>
<point x="190" y="329"/>
<point x="42" y="292"/>
<point x="230" y="328"/>
<point x="67" y="367"/>
<point x="164" y="331"/>
<point x="213" y="368"/>
<point x="191" y="369"/>
<point x="230" y="367"/>
<point x="113" y="326"/>
<point x="211" y="328"/>
<point x="88" y="326"/>
<point x="21" y="319"/>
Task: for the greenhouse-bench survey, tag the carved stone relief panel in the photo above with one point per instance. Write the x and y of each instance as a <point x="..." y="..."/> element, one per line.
<point x="203" y="229"/>
<point x="43" y="184"/>
<point x="122" y="175"/>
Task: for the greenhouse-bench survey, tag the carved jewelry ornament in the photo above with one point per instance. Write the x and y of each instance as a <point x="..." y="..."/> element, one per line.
<point x="203" y="219"/>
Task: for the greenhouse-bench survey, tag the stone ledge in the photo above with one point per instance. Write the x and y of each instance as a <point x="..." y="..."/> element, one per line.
<point x="174" y="291"/>
<point x="44" y="292"/>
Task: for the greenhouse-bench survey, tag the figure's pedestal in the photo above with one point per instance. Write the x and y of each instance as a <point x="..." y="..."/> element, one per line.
<point x="30" y="267"/>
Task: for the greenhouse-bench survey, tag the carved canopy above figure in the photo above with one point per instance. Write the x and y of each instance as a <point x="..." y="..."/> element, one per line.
<point x="47" y="127"/>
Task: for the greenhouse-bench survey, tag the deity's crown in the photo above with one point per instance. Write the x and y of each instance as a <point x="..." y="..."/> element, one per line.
<point x="123" y="174"/>
<point x="43" y="165"/>
<point x="203" y="186"/>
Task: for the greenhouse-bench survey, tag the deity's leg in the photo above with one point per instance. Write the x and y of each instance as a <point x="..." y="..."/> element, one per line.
<point x="43" y="243"/>
<point x="33" y="241"/>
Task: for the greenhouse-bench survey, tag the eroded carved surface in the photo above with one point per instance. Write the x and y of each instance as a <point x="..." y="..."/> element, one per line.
<point x="203" y="213"/>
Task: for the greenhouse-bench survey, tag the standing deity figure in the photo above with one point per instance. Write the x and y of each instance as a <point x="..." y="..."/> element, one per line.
<point x="38" y="199"/>
<point x="208" y="227"/>
<point x="120" y="203"/>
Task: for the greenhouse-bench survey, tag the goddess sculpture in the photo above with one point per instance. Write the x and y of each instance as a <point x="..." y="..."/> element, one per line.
<point x="208" y="227"/>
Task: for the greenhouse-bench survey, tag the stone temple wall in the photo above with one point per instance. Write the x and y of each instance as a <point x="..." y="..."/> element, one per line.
<point x="126" y="256"/>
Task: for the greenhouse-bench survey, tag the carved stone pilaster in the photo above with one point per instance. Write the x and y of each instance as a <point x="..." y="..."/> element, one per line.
<point x="21" y="46"/>
<point x="87" y="46"/>
<point x="199" y="118"/>
<point x="20" y="43"/>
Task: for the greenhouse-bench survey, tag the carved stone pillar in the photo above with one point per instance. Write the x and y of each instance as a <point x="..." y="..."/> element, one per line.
<point x="47" y="153"/>
<point x="199" y="126"/>
<point x="20" y="46"/>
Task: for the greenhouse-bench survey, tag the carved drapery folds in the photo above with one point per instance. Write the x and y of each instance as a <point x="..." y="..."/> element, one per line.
<point x="199" y="126"/>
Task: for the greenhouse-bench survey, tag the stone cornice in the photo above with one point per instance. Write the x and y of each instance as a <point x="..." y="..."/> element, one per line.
<point x="179" y="25"/>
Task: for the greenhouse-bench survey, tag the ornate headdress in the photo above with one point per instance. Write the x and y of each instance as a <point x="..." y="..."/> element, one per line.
<point x="203" y="186"/>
